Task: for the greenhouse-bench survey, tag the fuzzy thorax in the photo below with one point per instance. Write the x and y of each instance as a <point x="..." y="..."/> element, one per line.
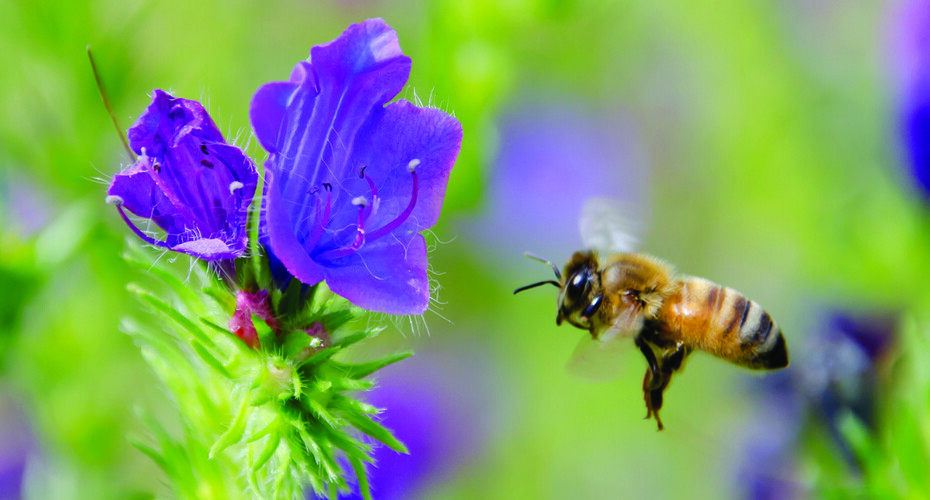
<point x="643" y="278"/>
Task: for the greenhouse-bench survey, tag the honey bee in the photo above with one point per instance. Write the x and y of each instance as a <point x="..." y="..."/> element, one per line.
<point x="668" y="316"/>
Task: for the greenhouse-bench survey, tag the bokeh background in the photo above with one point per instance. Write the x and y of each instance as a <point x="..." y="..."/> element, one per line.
<point x="762" y="144"/>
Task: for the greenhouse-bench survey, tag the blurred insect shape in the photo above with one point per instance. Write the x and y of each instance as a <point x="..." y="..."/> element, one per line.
<point x="667" y="315"/>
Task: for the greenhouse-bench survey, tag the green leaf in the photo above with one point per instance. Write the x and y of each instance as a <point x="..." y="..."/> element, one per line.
<point x="319" y="451"/>
<point x="352" y="405"/>
<point x="172" y="313"/>
<point x="360" y="370"/>
<point x="221" y="296"/>
<point x="152" y="453"/>
<point x="350" y="339"/>
<point x="210" y="359"/>
<point x="266" y="336"/>
<point x="318" y="357"/>
<point x="234" y="434"/>
<point x="320" y="412"/>
<point x="375" y="430"/>
<point x="289" y="303"/>
<point x="362" y="476"/>
<point x="335" y="319"/>
<point x="267" y="451"/>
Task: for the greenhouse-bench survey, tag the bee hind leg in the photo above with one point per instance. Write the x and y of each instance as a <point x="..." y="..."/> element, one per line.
<point x="653" y="397"/>
<point x="658" y="377"/>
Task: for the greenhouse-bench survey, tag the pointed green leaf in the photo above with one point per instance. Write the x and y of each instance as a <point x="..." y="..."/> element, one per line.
<point x="320" y="412"/>
<point x="209" y="359"/>
<point x="266" y="336"/>
<point x="267" y="451"/>
<point x="375" y="430"/>
<point x="335" y="319"/>
<point x="172" y="313"/>
<point x="350" y="339"/>
<point x="362" y="476"/>
<point x="360" y="370"/>
<point x="152" y="453"/>
<point x="234" y="434"/>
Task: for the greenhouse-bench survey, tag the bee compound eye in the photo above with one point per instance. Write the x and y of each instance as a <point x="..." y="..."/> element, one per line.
<point x="592" y="307"/>
<point x="577" y="284"/>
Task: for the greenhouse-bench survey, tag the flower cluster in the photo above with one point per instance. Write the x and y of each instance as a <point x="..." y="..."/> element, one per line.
<point x="350" y="182"/>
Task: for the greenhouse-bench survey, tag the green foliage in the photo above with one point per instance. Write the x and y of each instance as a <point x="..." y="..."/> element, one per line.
<point x="264" y="423"/>
<point x="895" y="459"/>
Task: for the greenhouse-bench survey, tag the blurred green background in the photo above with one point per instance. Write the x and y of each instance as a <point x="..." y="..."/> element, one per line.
<point x="755" y="142"/>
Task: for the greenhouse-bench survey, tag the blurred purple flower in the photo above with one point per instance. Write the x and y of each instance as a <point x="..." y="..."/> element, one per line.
<point x="18" y="444"/>
<point x="555" y="155"/>
<point x="25" y="205"/>
<point x="187" y="180"/>
<point x="834" y="373"/>
<point x="351" y="181"/>
<point x="910" y="32"/>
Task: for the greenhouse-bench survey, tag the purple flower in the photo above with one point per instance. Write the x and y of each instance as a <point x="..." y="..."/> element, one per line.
<point x="187" y="180"/>
<point x="911" y="56"/>
<point x="350" y="182"/>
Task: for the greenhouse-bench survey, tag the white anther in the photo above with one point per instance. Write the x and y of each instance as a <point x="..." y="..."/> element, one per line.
<point x="142" y="151"/>
<point x="234" y="185"/>
<point x="360" y="200"/>
<point x="414" y="163"/>
<point x="114" y="200"/>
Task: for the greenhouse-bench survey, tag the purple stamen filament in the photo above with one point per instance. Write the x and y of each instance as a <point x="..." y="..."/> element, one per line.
<point x="375" y="201"/>
<point x="394" y="224"/>
<point x="146" y="238"/>
<point x="361" y="238"/>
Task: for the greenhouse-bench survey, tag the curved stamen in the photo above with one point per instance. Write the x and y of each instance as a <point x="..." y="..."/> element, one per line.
<point x="359" y="234"/>
<point x="322" y="216"/>
<point x="394" y="224"/>
<point x="146" y="238"/>
<point x="375" y="199"/>
<point x="361" y="238"/>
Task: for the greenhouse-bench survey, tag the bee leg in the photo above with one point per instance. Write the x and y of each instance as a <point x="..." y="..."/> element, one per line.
<point x="654" y="388"/>
<point x="653" y="398"/>
<point x="654" y="380"/>
<point x="658" y="420"/>
<point x="671" y="362"/>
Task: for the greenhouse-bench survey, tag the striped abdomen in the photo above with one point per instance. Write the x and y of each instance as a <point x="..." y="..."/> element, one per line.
<point x="723" y="322"/>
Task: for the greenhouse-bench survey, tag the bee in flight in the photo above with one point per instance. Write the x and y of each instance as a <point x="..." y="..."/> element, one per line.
<point x="668" y="316"/>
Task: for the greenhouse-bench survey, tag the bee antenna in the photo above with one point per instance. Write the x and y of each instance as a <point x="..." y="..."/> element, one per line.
<point x="534" y="285"/>
<point x="106" y="104"/>
<point x="537" y="258"/>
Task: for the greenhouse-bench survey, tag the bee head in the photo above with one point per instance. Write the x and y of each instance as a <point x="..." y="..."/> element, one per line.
<point x="580" y="297"/>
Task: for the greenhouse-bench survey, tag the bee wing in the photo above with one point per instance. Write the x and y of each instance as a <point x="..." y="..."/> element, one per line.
<point x="607" y="226"/>
<point x="600" y="359"/>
